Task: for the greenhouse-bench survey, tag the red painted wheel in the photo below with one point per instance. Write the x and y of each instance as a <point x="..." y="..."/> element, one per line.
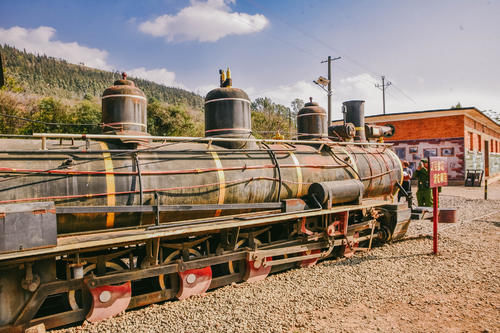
<point x="309" y="262"/>
<point x="75" y="297"/>
<point x="108" y="301"/>
<point x="186" y="283"/>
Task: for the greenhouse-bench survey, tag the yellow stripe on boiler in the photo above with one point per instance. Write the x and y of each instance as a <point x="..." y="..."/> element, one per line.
<point x="222" y="181"/>
<point x="299" y="174"/>
<point x="110" y="183"/>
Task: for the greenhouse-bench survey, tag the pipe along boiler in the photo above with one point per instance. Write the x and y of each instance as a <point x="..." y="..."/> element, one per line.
<point x="92" y="225"/>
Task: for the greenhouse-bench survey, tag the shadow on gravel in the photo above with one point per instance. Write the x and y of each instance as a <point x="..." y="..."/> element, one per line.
<point x="495" y="223"/>
<point x="413" y="238"/>
<point x="367" y="258"/>
<point x="359" y="260"/>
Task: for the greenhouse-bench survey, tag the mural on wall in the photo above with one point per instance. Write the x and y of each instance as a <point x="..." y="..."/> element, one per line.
<point x="430" y="152"/>
<point x="415" y="150"/>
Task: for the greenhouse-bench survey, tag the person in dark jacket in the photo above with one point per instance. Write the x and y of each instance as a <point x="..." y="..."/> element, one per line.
<point x="424" y="193"/>
<point x="407" y="174"/>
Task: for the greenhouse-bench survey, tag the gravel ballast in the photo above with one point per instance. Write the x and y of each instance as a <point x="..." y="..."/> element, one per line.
<point x="397" y="287"/>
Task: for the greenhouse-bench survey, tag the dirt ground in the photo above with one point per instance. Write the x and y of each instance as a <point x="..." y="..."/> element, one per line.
<point x="456" y="291"/>
<point x="473" y="192"/>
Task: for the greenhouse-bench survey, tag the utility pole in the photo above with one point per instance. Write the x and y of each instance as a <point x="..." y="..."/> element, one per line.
<point x="383" y="86"/>
<point x="329" y="91"/>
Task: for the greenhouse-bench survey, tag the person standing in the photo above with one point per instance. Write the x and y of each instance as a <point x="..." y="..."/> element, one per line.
<point x="424" y="193"/>
<point x="406" y="185"/>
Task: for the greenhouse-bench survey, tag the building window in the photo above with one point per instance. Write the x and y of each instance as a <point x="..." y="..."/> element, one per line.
<point x="413" y="150"/>
<point x="401" y="152"/>
<point x="492" y="146"/>
<point x="479" y="143"/>
<point x="471" y="141"/>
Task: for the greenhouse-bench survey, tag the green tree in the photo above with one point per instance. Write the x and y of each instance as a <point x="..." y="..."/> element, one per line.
<point x="169" y="120"/>
<point x="11" y="84"/>
<point x="49" y="117"/>
<point x="296" y="104"/>
<point x="269" y="118"/>
<point x="87" y="113"/>
<point x="9" y="110"/>
<point x="55" y="77"/>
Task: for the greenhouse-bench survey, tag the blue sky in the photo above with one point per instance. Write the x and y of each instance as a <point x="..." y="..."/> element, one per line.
<point x="436" y="53"/>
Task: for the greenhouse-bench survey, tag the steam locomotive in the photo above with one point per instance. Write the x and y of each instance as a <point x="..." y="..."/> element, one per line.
<point x="92" y="225"/>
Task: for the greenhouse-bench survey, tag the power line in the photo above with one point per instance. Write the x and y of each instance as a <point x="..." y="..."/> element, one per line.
<point x="305" y="51"/>
<point x="277" y="38"/>
<point x="403" y="93"/>
<point x="345" y="56"/>
<point x="320" y="41"/>
<point x="46" y="123"/>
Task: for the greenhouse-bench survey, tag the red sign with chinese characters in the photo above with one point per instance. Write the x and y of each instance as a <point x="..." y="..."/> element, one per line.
<point x="438" y="171"/>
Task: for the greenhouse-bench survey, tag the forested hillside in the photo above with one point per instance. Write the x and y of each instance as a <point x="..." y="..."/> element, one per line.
<point x="44" y="94"/>
<point x="48" y="76"/>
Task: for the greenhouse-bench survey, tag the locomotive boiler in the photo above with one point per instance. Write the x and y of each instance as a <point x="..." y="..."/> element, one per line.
<point x="92" y="225"/>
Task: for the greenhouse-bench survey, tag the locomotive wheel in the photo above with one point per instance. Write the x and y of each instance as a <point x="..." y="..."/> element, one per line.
<point x="75" y="297"/>
<point x="173" y="279"/>
<point x="230" y="265"/>
<point x="385" y="235"/>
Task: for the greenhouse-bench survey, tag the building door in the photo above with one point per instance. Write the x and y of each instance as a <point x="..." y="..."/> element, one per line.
<point x="486" y="158"/>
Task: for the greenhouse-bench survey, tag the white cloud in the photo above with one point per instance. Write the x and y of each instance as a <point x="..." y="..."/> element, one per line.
<point x="158" y="75"/>
<point x="360" y="87"/>
<point x="41" y="40"/>
<point x="205" y="22"/>
<point x="285" y="94"/>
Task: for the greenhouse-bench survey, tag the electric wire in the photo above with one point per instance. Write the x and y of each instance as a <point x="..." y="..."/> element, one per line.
<point x="328" y="46"/>
<point x="47" y="123"/>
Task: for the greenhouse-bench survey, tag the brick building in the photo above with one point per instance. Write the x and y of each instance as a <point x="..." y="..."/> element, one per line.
<point x="463" y="135"/>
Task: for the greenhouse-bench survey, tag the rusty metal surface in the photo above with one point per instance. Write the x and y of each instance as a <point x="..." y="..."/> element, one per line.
<point x="229" y="177"/>
<point x="27" y="225"/>
<point x="448" y="215"/>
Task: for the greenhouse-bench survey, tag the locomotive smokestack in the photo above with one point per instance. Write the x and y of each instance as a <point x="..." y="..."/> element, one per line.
<point x="354" y="112"/>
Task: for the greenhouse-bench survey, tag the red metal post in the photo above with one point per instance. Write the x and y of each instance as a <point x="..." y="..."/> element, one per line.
<point x="435" y="210"/>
